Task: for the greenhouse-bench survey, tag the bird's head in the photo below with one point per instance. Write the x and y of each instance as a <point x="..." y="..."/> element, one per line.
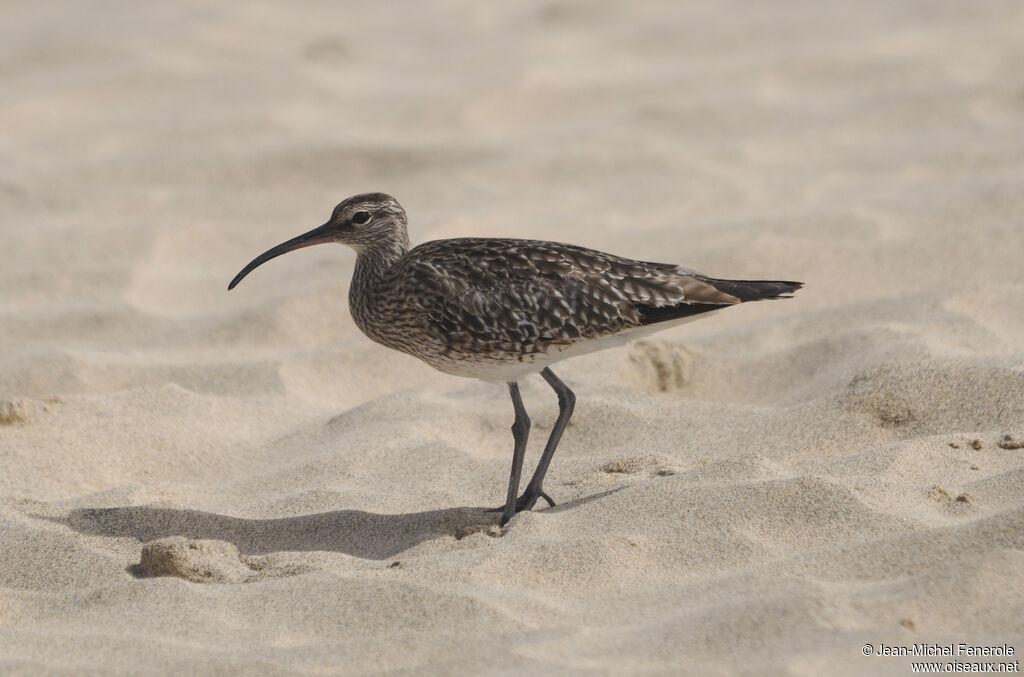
<point x="369" y="223"/>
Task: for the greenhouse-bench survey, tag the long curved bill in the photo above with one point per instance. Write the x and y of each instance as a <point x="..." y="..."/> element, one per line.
<point x="319" y="235"/>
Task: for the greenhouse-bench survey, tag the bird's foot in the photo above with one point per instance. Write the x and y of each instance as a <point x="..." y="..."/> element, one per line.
<point x="524" y="502"/>
<point x="529" y="499"/>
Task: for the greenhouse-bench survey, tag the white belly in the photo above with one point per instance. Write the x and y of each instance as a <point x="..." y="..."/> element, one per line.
<point x="512" y="369"/>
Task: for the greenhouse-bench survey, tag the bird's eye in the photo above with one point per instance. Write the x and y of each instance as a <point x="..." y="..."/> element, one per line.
<point x="360" y="217"/>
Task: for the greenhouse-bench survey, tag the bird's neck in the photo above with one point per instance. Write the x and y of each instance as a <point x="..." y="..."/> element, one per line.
<point x="373" y="263"/>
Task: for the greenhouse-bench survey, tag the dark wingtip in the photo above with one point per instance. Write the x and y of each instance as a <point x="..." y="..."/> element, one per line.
<point x="756" y="290"/>
<point x="744" y="290"/>
<point x="787" y="293"/>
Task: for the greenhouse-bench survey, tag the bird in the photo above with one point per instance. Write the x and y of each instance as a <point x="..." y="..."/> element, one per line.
<point x="499" y="309"/>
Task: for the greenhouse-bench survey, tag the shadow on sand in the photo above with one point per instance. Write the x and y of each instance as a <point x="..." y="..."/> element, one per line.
<point x="354" y="532"/>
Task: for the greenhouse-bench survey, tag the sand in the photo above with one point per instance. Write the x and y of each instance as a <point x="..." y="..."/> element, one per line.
<point x="201" y="482"/>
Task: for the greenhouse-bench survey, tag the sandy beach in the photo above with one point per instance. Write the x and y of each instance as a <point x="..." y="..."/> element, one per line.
<point x="200" y="482"/>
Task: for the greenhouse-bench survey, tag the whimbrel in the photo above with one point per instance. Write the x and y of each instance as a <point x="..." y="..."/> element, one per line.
<point x="499" y="309"/>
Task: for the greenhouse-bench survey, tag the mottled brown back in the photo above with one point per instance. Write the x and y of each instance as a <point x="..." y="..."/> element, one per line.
<point x="484" y="296"/>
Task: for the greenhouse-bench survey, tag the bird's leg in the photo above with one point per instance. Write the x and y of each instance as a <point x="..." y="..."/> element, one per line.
<point x="566" y="402"/>
<point x="520" y="433"/>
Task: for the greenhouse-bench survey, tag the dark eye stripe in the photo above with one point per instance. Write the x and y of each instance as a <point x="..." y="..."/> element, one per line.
<point x="360" y="217"/>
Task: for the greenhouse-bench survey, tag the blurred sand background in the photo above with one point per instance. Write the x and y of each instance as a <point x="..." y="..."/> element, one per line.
<point x="762" y="492"/>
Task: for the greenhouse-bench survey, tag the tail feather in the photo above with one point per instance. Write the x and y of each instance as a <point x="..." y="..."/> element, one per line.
<point x="744" y="290"/>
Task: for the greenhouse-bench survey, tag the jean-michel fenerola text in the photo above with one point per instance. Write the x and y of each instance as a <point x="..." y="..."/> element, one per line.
<point x="960" y="649"/>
